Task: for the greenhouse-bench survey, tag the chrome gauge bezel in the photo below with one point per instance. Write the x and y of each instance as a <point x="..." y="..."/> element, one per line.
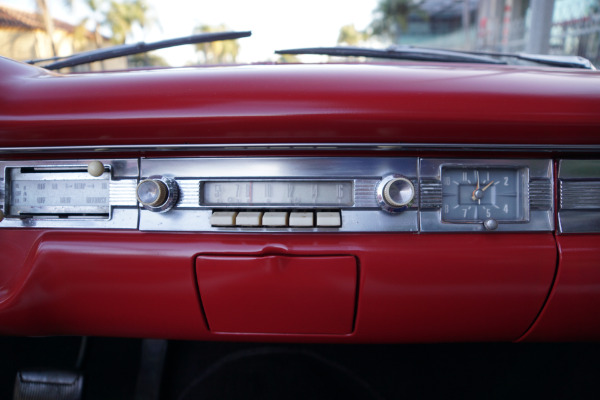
<point x="122" y="176"/>
<point x="542" y="219"/>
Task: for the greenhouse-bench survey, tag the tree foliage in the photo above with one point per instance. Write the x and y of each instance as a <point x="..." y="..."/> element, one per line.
<point x="350" y="36"/>
<point x="117" y="16"/>
<point x="219" y="52"/>
<point x="391" y="17"/>
<point x="122" y="16"/>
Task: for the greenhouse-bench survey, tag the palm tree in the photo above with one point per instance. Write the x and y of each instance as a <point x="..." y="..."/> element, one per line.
<point x="350" y="36"/>
<point x="219" y="52"/>
<point x="123" y="16"/>
<point x="42" y="8"/>
<point x="119" y="16"/>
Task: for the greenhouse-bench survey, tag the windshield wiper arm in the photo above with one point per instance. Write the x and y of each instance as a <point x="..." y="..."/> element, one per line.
<point x="142" y="47"/>
<point x="546" y="59"/>
<point x="396" y="53"/>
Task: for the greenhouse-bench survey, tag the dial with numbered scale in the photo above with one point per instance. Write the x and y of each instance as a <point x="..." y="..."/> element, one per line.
<point x="482" y="194"/>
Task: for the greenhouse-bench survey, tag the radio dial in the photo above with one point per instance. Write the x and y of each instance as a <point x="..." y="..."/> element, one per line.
<point x="395" y="193"/>
<point x="158" y="194"/>
<point x="399" y="192"/>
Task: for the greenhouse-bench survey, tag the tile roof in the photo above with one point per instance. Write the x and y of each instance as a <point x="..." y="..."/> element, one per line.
<point x="17" y="19"/>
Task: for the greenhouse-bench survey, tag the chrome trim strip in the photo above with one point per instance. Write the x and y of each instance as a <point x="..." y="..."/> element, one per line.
<point x="540" y="194"/>
<point x="446" y="147"/>
<point x="579" y="201"/>
<point x="579" y="195"/>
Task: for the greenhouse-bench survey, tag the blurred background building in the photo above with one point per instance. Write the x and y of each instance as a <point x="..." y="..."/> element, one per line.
<point x="24" y="36"/>
<point x="569" y="27"/>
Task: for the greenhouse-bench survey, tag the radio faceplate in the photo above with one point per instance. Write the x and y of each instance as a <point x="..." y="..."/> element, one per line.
<point x="67" y="193"/>
<point x="278" y="194"/>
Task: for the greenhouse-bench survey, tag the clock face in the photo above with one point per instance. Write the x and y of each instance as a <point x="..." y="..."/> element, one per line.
<point x="473" y="194"/>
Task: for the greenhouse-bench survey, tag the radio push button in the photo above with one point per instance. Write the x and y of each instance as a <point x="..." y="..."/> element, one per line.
<point x="223" y="218"/>
<point x="249" y="218"/>
<point x="302" y="219"/>
<point x="275" y="218"/>
<point x="329" y="219"/>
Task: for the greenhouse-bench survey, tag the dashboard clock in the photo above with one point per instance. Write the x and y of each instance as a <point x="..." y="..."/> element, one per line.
<point x="476" y="195"/>
<point x="485" y="195"/>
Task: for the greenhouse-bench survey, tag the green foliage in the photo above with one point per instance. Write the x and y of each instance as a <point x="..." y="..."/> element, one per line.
<point x="119" y="16"/>
<point x="391" y="17"/>
<point x="146" y="60"/>
<point x="123" y="15"/>
<point x="288" y="59"/>
<point x="350" y="36"/>
<point x="220" y="52"/>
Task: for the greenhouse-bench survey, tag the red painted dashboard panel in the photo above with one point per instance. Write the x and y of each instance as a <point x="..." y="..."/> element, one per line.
<point x="573" y="309"/>
<point x="412" y="288"/>
<point x="277" y="294"/>
<point x="393" y="103"/>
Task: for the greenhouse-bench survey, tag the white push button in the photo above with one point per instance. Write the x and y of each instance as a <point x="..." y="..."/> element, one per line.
<point x="329" y="218"/>
<point x="301" y="219"/>
<point x="223" y="218"/>
<point x="249" y="218"/>
<point x="275" y="218"/>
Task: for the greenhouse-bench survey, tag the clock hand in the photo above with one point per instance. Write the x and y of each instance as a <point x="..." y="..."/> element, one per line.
<point x="473" y="197"/>
<point x="487" y="186"/>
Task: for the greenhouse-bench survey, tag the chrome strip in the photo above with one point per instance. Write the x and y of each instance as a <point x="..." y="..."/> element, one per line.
<point x="579" y="195"/>
<point x="579" y="202"/>
<point x="446" y="147"/>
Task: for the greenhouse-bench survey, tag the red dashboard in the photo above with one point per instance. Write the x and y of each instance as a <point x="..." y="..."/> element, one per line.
<point x="405" y="273"/>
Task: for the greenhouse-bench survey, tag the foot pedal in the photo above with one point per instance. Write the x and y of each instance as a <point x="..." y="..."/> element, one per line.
<point x="48" y="385"/>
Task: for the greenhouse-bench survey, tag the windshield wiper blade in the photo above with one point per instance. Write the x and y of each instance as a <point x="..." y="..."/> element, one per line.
<point x="142" y="47"/>
<point x="396" y="53"/>
<point x="555" y="61"/>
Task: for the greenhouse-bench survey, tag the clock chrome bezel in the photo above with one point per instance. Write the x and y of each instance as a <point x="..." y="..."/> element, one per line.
<point x="431" y="219"/>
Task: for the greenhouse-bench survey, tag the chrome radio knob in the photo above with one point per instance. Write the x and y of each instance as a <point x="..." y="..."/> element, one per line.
<point x="395" y="193"/>
<point x="157" y="193"/>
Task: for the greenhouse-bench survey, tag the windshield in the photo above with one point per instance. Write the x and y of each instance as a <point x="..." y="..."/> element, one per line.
<point x="49" y="29"/>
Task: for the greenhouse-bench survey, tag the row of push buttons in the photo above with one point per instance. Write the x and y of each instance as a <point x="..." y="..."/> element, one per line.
<point x="276" y="218"/>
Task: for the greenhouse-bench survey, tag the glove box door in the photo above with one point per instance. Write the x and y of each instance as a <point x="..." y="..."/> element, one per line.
<point x="278" y="294"/>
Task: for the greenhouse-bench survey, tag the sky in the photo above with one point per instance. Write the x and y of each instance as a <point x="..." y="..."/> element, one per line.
<point x="275" y="24"/>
